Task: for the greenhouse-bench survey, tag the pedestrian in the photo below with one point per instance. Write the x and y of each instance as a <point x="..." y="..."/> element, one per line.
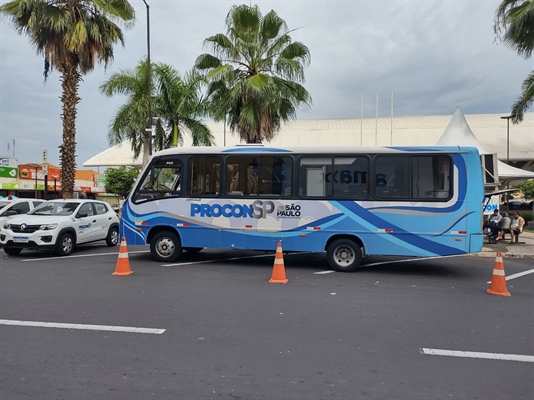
<point x="517" y="225"/>
<point x="504" y="227"/>
<point x="493" y="220"/>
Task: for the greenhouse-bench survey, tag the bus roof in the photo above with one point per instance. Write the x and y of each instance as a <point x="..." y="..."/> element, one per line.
<point x="338" y="150"/>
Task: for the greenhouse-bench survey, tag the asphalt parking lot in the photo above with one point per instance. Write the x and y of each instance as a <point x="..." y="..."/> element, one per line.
<point x="211" y="326"/>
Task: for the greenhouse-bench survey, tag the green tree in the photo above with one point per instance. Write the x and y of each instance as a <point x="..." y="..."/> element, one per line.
<point x="72" y="35"/>
<point x="527" y="188"/>
<point x="255" y="73"/>
<point x="176" y="102"/>
<point x="120" y="180"/>
<point x="514" y="26"/>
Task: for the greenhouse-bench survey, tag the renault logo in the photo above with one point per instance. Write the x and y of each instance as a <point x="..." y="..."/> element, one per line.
<point x="22" y="227"/>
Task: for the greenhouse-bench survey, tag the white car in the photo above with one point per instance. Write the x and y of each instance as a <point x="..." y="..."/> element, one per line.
<point x="60" y="225"/>
<point x="15" y="207"/>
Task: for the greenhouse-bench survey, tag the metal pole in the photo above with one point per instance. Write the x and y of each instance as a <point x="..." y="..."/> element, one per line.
<point x="507" y="118"/>
<point x="361" y="118"/>
<point x="376" y="119"/>
<point x="149" y="80"/>
<point x="35" y="167"/>
<point x="391" y="140"/>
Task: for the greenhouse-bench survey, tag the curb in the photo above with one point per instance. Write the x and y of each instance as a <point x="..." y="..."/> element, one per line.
<point x="506" y="255"/>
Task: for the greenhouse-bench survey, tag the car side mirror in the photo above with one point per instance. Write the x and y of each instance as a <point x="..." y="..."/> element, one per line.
<point x="11" y="212"/>
<point x="81" y="215"/>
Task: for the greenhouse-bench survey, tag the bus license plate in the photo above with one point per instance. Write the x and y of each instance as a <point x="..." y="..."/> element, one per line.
<point x="18" y="239"/>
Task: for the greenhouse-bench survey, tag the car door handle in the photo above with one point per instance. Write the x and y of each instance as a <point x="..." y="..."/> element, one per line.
<point x="109" y="219"/>
<point x="94" y="220"/>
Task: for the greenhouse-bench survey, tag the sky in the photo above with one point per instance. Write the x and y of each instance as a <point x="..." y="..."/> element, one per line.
<point x="434" y="55"/>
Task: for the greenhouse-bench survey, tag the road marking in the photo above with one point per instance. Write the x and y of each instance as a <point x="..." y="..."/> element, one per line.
<point x="109" y="328"/>
<point x="409" y="259"/>
<point x="475" y="354"/>
<point x="84" y="255"/>
<point x="323" y="272"/>
<point x="222" y="259"/>
<point x="519" y="274"/>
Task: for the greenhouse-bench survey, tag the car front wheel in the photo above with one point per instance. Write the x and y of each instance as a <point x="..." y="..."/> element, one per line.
<point x="65" y="244"/>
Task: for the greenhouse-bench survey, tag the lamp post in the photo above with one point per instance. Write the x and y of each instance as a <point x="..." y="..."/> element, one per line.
<point x="507" y="118"/>
<point x="149" y="81"/>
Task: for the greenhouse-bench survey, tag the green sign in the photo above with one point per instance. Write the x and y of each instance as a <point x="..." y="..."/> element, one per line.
<point x="8" y="172"/>
<point x="10" y="185"/>
<point x="100" y="181"/>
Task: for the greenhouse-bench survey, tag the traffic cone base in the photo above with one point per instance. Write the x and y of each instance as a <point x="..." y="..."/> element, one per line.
<point x="498" y="280"/>
<point x="279" y="273"/>
<point x="123" y="262"/>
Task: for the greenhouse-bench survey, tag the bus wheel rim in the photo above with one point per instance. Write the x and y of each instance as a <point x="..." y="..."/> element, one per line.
<point x="165" y="247"/>
<point x="344" y="255"/>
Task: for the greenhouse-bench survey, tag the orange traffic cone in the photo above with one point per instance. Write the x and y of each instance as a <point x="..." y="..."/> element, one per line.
<point x="279" y="273"/>
<point x="498" y="280"/>
<point x="123" y="262"/>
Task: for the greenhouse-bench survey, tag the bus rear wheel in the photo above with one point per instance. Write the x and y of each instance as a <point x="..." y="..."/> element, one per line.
<point x="344" y="255"/>
<point x="165" y="246"/>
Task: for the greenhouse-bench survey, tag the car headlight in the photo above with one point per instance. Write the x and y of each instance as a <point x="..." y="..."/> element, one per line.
<point x="47" y="227"/>
<point x="7" y="226"/>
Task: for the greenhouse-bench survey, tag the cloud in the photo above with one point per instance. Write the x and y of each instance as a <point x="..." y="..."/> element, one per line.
<point x="433" y="55"/>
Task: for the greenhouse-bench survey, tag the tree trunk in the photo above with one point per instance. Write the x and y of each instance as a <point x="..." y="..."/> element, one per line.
<point x="70" y="80"/>
<point x="146" y="143"/>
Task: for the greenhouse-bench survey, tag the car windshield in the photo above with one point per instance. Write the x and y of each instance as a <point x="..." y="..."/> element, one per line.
<point x="55" y="208"/>
<point x="3" y="204"/>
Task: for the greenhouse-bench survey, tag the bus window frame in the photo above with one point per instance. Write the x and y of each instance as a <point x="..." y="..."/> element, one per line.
<point x="158" y="194"/>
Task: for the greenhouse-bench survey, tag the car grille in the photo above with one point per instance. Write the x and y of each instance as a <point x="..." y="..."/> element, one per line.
<point x="27" y="228"/>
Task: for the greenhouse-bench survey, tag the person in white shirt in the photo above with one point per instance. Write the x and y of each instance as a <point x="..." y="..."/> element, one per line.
<point x="517" y="225"/>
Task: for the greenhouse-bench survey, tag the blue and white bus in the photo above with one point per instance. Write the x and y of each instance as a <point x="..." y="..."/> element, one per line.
<point x="349" y="202"/>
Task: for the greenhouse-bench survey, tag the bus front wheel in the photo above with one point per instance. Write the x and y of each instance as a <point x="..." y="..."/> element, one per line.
<point x="165" y="246"/>
<point x="344" y="255"/>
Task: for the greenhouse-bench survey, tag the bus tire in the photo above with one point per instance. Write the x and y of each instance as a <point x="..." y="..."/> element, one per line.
<point x="344" y="255"/>
<point x="193" y="250"/>
<point x="165" y="246"/>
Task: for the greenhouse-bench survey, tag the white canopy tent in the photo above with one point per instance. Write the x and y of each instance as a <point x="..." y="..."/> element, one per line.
<point x="119" y="155"/>
<point x="458" y="133"/>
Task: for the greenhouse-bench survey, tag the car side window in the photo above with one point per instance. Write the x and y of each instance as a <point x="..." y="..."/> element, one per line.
<point x="21" y="208"/>
<point x="87" y="208"/>
<point x="100" y="209"/>
<point x="36" y="203"/>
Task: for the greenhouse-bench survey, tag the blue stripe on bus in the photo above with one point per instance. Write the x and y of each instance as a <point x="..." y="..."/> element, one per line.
<point x="359" y="214"/>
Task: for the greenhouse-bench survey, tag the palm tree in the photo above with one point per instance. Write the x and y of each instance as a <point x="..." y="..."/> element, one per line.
<point x="179" y="104"/>
<point x="255" y="73"/>
<point x="175" y="100"/>
<point x="514" y="26"/>
<point x="72" y="36"/>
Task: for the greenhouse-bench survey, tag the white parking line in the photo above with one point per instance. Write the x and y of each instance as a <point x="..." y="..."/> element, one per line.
<point x="475" y="354"/>
<point x="410" y="259"/>
<point x="84" y="255"/>
<point x="222" y="259"/>
<point x="519" y="274"/>
<point x="130" y="329"/>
